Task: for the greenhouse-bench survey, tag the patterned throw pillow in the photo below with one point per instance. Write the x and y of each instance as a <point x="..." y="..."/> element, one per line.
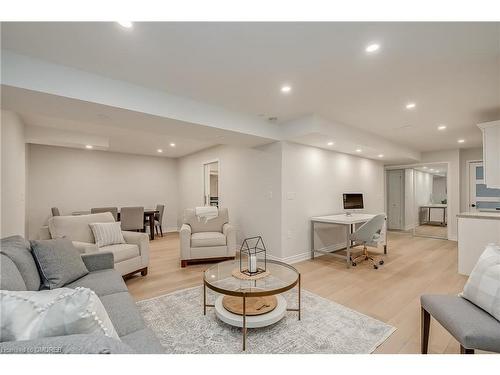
<point x="483" y="286"/>
<point x="28" y="315"/>
<point x="107" y="233"/>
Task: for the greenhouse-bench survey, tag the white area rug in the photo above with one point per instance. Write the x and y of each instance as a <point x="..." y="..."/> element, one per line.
<point x="325" y="327"/>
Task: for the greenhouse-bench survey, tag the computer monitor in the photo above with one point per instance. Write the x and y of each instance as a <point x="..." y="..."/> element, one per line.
<point x="353" y="201"/>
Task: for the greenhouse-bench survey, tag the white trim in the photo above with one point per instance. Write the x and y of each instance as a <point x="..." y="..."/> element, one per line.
<point x="487" y="199"/>
<point x="171" y="229"/>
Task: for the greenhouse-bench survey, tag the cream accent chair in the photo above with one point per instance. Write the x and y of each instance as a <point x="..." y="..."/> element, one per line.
<point x="203" y="241"/>
<point x="130" y="257"/>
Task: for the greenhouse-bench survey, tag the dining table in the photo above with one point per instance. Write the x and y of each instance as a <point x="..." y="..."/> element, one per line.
<point x="149" y="215"/>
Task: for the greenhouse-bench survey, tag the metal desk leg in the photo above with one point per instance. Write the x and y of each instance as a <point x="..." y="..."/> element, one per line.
<point x="244" y="323"/>
<point x="312" y="240"/>
<point x="348" y="247"/>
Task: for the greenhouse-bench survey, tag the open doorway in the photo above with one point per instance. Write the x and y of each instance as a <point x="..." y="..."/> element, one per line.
<point x="417" y="199"/>
<point x="211" y="183"/>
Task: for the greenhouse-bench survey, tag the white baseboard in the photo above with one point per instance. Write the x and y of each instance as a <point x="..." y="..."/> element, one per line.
<point x="172" y="229"/>
<point x="306" y="255"/>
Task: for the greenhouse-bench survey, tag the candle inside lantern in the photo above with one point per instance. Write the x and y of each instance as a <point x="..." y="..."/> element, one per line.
<point x="252" y="263"/>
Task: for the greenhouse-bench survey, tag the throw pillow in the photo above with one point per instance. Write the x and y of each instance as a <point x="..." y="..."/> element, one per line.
<point x="29" y="315"/>
<point x="483" y="286"/>
<point x="107" y="233"/>
<point x="59" y="262"/>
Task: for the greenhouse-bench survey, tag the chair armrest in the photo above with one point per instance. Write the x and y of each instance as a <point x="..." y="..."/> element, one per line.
<point x="185" y="241"/>
<point x="85" y="247"/>
<point x="70" y="344"/>
<point x="142" y="242"/>
<point x="44" y="233"/>
<point x="230" y="233"/>
<point x="99" y="261"/>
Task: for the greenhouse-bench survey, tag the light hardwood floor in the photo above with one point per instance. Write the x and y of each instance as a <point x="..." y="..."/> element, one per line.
<point x="414" y="266"/>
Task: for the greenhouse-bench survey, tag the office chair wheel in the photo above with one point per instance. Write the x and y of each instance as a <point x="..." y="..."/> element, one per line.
<point x="381" y="262"/>
<point x="354" y="264"/>
<point x="375" y="266"/>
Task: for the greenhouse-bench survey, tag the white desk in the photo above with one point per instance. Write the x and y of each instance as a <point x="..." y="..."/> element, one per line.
<point x="430" y="207"/>
<point x="348" y="222"/>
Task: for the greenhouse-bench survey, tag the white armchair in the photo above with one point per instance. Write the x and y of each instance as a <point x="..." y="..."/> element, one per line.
<point x="130" y="257"/>
<point x="203" y="241"/>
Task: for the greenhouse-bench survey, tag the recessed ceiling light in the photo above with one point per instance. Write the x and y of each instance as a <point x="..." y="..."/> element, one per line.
<point x="424" y="167"/>
<point x="330" y="143"/>
<point x="432" y="169"/>
<point x="286" y="89"/>
<point x="461" y="141"/>
<point x="159" y="150"/>
<point x="125" y="24"/>
<point x="172" y="144"/>
<point x="410" y="105"/>
<point x="380" y="155"/>
<point x="358" y="150"/>
<point x="89" y="147"/>
<point x="372" y="48"/>
<point x="441" y="127"/>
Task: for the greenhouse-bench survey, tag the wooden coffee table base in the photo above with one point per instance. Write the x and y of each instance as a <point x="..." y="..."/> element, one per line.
<point x="254" y="305"/>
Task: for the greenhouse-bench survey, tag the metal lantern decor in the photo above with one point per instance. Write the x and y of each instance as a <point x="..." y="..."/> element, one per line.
<point x="255" y="250"/>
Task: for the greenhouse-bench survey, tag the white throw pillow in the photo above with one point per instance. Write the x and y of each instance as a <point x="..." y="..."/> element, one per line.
<point x="106" y="234"/>
<point x="483" y="286"/>
<point x="27" y="315"/>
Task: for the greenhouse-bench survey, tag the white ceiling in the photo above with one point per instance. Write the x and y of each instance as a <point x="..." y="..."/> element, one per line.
<point x="450" y="70"/>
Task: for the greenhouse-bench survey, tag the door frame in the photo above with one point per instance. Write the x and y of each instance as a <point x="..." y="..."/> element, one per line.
<point x="467" y="187"/>
<point x="210" y="161"/>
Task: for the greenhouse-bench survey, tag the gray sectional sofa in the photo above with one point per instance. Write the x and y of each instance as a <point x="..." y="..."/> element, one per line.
<point x="18" y="271"/>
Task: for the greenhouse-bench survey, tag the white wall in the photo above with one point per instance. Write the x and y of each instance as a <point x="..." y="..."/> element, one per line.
<point x="313" y="182"/>
<point x="409" y="207"/>
<point x="13" y="205"/>
<point x="438" y="189"/>
<point x="453" y="159"/>
<point x="467" y="154"/>
<point x="74" y="180"/>
<point x="249" y="186"/>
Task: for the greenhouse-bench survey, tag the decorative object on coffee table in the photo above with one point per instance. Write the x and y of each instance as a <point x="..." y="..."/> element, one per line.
<point x="252" y="249"/>
<point x="253" y="292"/>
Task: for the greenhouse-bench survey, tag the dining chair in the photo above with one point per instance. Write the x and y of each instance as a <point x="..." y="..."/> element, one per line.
<point x="158" y="219"/>
<point x="55" y="211"/>
<point x="132" y="218"/>
<point x="113" y="210"/>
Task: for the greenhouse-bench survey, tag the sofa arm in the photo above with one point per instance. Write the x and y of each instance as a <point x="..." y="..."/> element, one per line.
<point x="185" y="241"/>
<point x="142" y="242"/>
<point x="70" y="344"/>
<point x="230" y="233"/>
<point x="85" y="247"/>
<point x="99" y="261"/>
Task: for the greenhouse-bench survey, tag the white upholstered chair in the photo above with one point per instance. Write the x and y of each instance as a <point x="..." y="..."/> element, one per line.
<point x="130" y="257"/>
<point x="206" y="240"/>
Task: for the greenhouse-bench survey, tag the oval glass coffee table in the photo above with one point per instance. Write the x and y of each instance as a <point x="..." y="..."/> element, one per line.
<point x="250" y="301"/>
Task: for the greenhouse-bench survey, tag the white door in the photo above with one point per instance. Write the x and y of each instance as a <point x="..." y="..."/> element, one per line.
<point x="480" y="197"/>
<point x="395" y="194"/>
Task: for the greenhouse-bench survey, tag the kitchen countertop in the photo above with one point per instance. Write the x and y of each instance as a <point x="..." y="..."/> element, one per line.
<point x="480" y="215"/>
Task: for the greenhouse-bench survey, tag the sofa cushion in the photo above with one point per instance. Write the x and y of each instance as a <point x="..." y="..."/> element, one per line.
<point x="123" y="313"/>
<point x="76" y="228"/>
<point x="483" y="286"/>
<point x="212" y="225"/>
<point x="18" y="250"/>
<point x="143" y="341"/>
<point x="473" y="327"/>
<point x="102" y="282"/>
<point x="29" y="315"/>
<point x="122" y="252"/>
<point x="10" y="277"/>
<point x="204" y="239"/>
<point x="59" y="262"/>
<point x="107" y="234"/>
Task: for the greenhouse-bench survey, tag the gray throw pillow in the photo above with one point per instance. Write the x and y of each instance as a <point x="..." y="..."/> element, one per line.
<point x="59" y="262"/>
